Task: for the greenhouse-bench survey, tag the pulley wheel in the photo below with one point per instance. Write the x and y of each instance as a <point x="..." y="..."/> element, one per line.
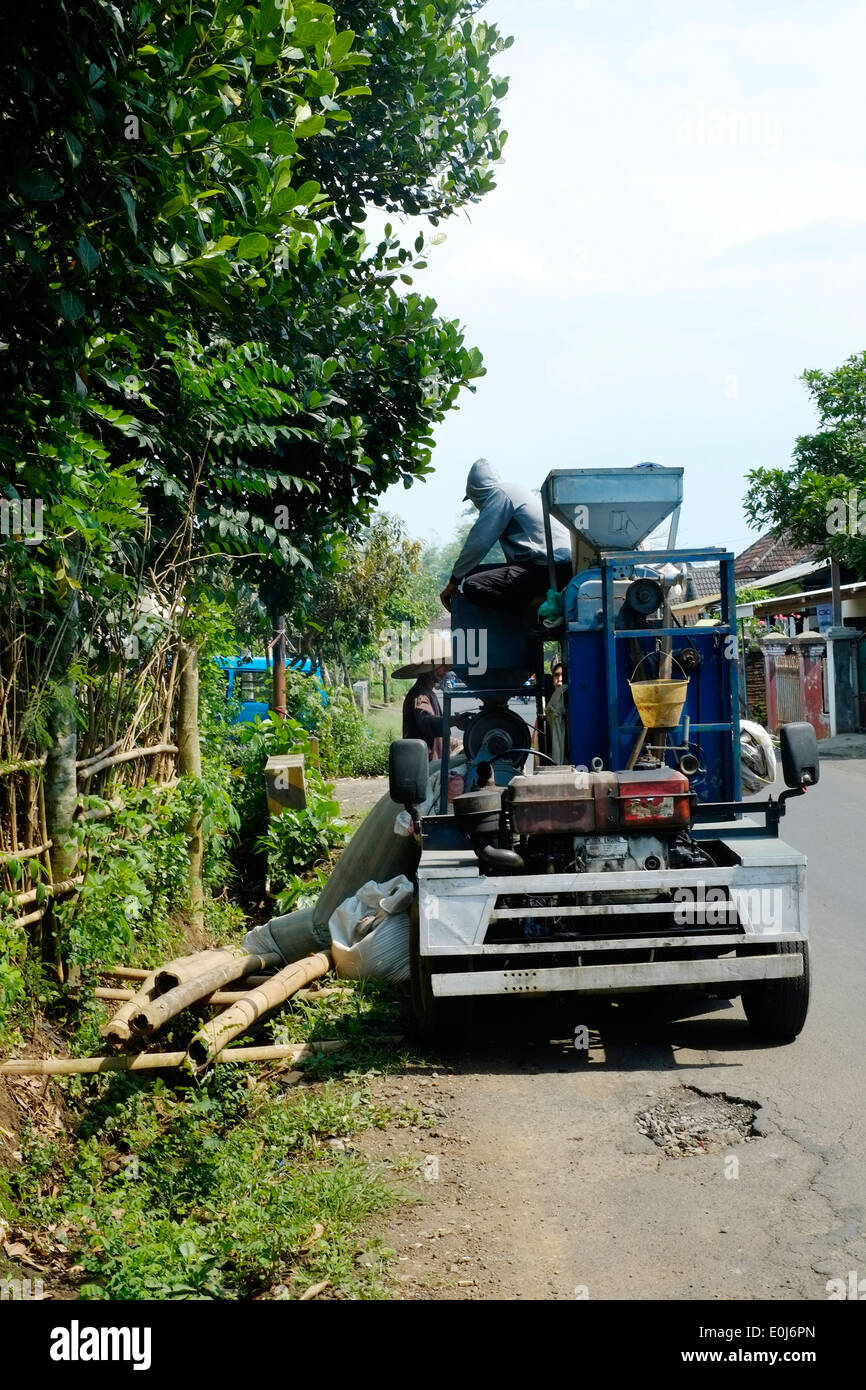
<point x="495" y="730"/>
<point x="644" y="596"/>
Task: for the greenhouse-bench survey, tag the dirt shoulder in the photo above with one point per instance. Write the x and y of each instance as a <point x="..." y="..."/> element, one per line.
<point x="358" y="795"/>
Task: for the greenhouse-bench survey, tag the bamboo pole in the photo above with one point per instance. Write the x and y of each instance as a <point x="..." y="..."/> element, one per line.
<point x="221" y="996"/>
<point x="25" y="853"/>
<point x="184" y="968"/>
<point x="214" y="1036"/>
<point x="109" y="994"/>
<point x="97" y="757"/>
<point x="117" y="1029"/>
<point x="151" y="1017"/>
<point x="31" y="918"/>
<point x="85" y="773"/>
<point x="129" y="972"/>
<point x="8" y="769"/>
<point x="155" y="1061"/>
<point x="51" y="890"/>
<point x="13" y="816"/>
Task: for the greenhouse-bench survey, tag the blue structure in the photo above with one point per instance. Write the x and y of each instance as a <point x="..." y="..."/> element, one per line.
<point x="249" y="681"/>
<point x="609" y="641"/>
<point x="613" y="634"/>
<point x="603" y="655"/>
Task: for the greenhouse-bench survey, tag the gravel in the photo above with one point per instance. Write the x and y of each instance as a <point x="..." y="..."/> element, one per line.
<point x="686" y="1122"/>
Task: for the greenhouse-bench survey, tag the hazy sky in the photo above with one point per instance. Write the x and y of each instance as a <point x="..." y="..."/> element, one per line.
<point x="679" y="229"/>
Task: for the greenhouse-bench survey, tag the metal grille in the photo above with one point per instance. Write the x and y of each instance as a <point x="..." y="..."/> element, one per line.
<point x="789" y="695"/>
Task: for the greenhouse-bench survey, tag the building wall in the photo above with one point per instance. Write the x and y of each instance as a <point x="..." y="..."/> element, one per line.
<point x="756" y="682"/>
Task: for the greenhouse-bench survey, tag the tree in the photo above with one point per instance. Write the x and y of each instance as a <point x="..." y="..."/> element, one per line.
<point x="821" y="499"/>
<point x="379" y="584"/>
<point x="429" y="133"/>
<point x="204" y="357"/>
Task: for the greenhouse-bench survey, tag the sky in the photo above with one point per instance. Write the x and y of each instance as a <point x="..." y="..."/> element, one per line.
<point x="678" y="232"/>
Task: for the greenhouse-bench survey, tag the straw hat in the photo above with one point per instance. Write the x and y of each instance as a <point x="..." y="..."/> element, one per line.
<point x="435" y="649"/>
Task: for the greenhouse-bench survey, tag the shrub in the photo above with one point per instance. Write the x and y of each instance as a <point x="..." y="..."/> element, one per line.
<point x="349" y="746"/>
<point x="298" y="840"/>
<point x="295" y="840"/>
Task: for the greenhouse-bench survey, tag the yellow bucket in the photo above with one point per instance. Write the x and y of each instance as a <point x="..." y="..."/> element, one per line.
<point x="659" y="703"/>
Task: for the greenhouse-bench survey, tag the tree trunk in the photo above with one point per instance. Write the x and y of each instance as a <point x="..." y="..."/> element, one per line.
<point x="278" y="658"/>
<point x="347" y="679"/>
<point x="189" y="764"/>
<point x="61" y="783"/>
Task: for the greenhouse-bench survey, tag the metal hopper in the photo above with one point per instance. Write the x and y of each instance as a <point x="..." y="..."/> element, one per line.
<point x="613" y="508"/>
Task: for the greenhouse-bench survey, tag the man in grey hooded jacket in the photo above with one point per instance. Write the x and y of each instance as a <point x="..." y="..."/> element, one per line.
<point x="511" y="515"/>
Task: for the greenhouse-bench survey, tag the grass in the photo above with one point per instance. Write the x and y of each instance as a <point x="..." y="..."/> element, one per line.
<point x="228" y="1188"/>
<point x="386" y="721"/>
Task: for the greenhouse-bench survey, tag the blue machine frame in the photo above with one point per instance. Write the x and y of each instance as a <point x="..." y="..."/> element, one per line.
<point x="710" y="724"/>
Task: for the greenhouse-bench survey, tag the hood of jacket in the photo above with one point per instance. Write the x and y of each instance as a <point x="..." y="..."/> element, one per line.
<point x="483" y="482"/>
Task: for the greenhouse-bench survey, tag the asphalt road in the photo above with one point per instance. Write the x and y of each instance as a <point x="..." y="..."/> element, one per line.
<point x="543" y="1186"/>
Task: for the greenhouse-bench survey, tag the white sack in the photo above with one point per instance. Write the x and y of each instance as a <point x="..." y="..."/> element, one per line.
<point x="370" y="932"/>
<point x="757" y="757"/>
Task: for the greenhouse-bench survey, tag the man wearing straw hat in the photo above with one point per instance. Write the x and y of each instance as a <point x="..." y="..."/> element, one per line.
<point x="422" y="709"/>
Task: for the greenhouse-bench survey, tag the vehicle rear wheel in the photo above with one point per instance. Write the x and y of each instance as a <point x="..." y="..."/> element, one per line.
<point x="423" y="1005"/>
<point x="777" y="1009"/>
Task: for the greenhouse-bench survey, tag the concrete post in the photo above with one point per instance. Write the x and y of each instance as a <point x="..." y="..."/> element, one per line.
<point x="842" y="679"/>
<point x="811" y="650"/>
<point x="772" y="647"/>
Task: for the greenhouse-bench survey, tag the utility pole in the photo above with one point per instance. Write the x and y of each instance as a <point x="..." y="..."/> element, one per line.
<point x="278" y="666"/>
<point x="836" y="592"/>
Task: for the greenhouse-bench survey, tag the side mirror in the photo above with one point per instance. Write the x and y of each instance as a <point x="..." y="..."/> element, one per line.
<point x="801" y="766"/>
<point x="408" y="768"/>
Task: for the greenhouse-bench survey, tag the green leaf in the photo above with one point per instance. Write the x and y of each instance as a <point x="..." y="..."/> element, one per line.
<point x="74" y="148"/>
<point x="261" y="131"/>
<point x="308" y="191"/>
<point x="174" y="206"/>
<point x="310" y="127"/>
<point x="185" y="43"/>
<point x="87" y="254"/>
<point x="129" y="204"/>
<point x="340" y="45"/>
<point x="283" y="141"/>
<point x="71" y="306"/>
<point x="39" y="186"/>
<point x="252" y="247"/>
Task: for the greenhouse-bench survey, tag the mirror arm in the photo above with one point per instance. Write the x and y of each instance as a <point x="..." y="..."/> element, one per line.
<point x="784" y="796"/>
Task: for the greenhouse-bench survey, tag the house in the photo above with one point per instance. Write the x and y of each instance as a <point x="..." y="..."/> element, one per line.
<point x="767" y="556"/>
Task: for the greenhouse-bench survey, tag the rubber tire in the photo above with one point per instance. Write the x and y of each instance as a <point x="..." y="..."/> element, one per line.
<point x="777" y="1009"/>
<point x="423" y="1003"/>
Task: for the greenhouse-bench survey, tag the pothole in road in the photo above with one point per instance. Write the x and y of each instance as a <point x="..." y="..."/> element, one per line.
<point x="686" y="1121"/>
